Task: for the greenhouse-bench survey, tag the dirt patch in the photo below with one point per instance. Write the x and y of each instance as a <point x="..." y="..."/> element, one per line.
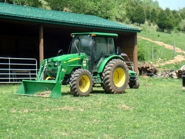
<point x="65" y="108"/>
<point x="125" y="107"/>
<point x="178" y="58"/>
<point x="43" y="94"/>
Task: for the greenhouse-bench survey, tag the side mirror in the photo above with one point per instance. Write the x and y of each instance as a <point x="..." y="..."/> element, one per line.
<point x="60" y="52"/>
<point x="118" y="50"/>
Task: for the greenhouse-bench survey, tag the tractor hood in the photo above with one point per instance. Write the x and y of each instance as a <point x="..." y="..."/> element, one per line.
<point x="62" y="61"/>
<point x="66" y="57"/>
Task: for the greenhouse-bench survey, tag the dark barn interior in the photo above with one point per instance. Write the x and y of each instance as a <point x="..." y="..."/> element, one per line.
<point x="21" y="39"/>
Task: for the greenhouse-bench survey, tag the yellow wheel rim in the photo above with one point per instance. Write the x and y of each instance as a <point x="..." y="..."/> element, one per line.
<point x="84" y="83"/>
<point x="119" y="77"/>
<point x="48" y="78"/>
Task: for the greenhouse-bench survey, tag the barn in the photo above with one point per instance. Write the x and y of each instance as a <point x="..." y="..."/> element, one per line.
<point x="27" y="32"/>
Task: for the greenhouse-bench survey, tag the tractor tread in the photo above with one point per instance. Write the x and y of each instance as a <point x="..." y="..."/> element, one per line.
<point x="74" y="82"/>
<point x="107" y="77"/>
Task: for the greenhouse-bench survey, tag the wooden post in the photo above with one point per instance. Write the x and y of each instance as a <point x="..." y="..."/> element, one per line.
<point x="152" y="52"/>
<point x="41" y="44"/>
<point x="174" y="47"/>
<point x="135" y="56"/>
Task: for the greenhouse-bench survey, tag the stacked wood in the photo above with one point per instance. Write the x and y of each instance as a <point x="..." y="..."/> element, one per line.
<point x="169" y="73"/>
<point x="147" y="69"/>
<point x="173" y="73"/>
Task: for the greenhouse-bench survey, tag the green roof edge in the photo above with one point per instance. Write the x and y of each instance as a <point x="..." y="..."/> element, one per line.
<point x="97" y="33"/>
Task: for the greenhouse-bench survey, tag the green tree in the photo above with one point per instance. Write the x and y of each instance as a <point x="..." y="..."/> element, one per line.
<point x="103" y="8"/>
<point x="155" y="4"/>
<point x="169" y="22"/>
<point x="153" y="16"/>
<point x="149" y="3"/>
<point x="177" y="17"/>
<point x="162" y="17"/>
<point x="182" y="25"/>
<point x="148" y="13"/>
<point x="168" y="11"/>
<point x="139" y="15"/>
<point x="130" y="10"/>
<point x="121" y="11"/>
<point x="182" y="13"/>
<point x="34" y="3"/>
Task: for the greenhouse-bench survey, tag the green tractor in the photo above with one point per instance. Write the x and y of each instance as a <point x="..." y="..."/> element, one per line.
<point x="92" y="59"/>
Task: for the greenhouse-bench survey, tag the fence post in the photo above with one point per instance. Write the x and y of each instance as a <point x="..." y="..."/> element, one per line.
<point x="152" y="52"/>
<point x="174" y="47"/>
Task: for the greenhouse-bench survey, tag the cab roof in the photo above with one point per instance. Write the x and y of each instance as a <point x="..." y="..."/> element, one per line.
<point x="96" y="34"/>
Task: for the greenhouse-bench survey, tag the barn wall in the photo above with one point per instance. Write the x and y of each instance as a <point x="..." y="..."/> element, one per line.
<point x="128" y="45"/>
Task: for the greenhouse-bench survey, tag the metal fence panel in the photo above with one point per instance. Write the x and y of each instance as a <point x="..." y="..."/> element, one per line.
<point x="14" y="70"/>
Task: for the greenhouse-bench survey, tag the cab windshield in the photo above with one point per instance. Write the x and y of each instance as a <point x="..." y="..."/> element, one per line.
<point x="82" y="44"/>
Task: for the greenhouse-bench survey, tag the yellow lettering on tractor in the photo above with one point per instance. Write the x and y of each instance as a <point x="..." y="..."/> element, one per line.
<point x="74" y="59"/>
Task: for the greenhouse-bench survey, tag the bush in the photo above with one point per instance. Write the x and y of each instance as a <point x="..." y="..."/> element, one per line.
<point x="141" y="54"/>
<point x="127" y="21"/>
<point x="182" y="25"/>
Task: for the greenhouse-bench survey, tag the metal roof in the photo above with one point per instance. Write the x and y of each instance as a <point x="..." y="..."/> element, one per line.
<point x="96" y="34"/>
<point x="32" y="14"/>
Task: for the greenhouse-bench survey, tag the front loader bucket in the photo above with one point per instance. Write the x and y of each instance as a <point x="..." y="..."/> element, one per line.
<point x="40" y="88"/>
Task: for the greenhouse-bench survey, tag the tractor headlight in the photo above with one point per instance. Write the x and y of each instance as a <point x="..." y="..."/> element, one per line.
<point x="57" y="64"/>
<point x="84" y="63"/>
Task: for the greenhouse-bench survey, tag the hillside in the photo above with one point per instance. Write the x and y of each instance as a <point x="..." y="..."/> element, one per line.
<point x="164" y="54"/>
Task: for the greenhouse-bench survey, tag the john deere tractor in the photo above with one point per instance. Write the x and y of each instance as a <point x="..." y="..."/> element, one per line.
<point x="92" y="59"/>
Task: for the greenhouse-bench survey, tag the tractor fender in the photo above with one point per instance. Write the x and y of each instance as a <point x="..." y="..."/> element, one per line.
<point x="103" y="61"/>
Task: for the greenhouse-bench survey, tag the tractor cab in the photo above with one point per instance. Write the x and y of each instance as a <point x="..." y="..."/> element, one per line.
<point x="94" y="44"/>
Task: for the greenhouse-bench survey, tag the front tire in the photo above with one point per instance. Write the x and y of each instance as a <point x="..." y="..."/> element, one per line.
<point x="81" y="82"/>
<point x="115" y="77"/>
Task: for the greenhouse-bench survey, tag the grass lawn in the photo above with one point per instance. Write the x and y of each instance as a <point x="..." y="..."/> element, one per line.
<point x="155" y="110"/>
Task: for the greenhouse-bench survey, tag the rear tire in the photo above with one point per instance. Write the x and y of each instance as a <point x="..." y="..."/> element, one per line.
<point x="81" y="82"/>
<point x="134" y="84"/>
<point x="115" y="77"/>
